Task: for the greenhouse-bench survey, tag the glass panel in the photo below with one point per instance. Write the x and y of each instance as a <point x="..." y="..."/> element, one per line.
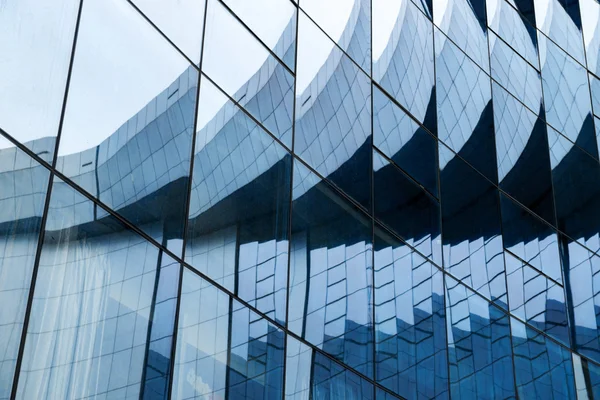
<point x="127" y="131"/>
<point x="298" y="361"/>
<point x="246" y="71"/>
<point x="409" y="322"/>
<point x="567" y="96"/>
<point x="581" y="268"/>
<point x="24" y="184"/>
<point x="403" y="57"/>
<point x="464" y="107"/>
<point x="576" y="179"/>
<point x="35" y="37"/>
<point x="400" y="138"/>
<point x="560" y="21"/>
<point x="273" y="21"/>
<point x="181" y="21"/>
<point x="513" y="28"/>
<point x="239" y="210"/>
<point x="536" y="299"/>
<point x="479" y="346"/>
<point x="522" y="154"/>
<point x="162" y="322"/>
<point x="332" y="381"/>
<point x="595" y="89"/>
<point x="590" y="12"/>
<point x="224" y="350"/>
<point x="515" y="74"/>
<point x="471" y="231"/>
<point x="406" y="208"/>
<point x="464" y="23"/>
<point x="543" y="368"/>
<point x="587" y="378"/>
<point x="333" y="113"/>
<point x="348" y="23"/>
<point x="530" y="239"/>
<point x="331" y="272"/>
<point x="89" y="332"/>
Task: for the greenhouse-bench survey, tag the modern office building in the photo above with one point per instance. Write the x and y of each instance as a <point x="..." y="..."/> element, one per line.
<point x="313" y="199"/>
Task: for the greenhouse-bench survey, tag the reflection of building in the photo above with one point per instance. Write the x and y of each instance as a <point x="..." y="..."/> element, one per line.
<point x="435" y="232"/>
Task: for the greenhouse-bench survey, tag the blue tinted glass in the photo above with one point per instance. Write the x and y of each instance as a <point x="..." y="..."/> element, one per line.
<point x="595" y="89"/>
<point x="406" y="208"/>
<point x="576" y="179"/>
<point x="36" y="37"/>
<point x="403" y="58"/>
<point x="567" y="96"/>
<point x="591" y="33"/>
<point x="543" y="368"/>
<point x="511" y="71"/>
<point x="246" y="70"/>
<point x="536" y="299"/>
<point x="464" y="106"/>
<point x="514" y="29"/>
<point x="298" y="363"/>
<point x="410" y="331"/>
<point x="348" y="22"/>
<point x="530" y="239"/>
<point x="464" y="22"/>
<point x="471" y="232"/>
<point x="522" y="154"/>
<point x="479" y="346"/>
<point x="274" y="22"/>
<point x="239" y="209"/>
<point x="127" y="131"/>
<point x="24" y="183"/>
<point x="332" y="381"/>
<point x="333" y="113"/>
<point x="89" y="333"/>
<point x="224" y="350"/>
<point x="400" y="138"/>
<point x="331" y="272"/>
<point x="560" y="20"/>
<point x="581" y="267"/>
<point x="157" y="370"/>
<point x="587" y="377"/>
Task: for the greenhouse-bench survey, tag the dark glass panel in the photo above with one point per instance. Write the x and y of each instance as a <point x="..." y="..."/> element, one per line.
<point x="522" y="154"/>
<point x="400" y="138"/>
<point x="239" y="208"/>
<point x="406" y="208"/>
<point x="410" y="331"/>
<point x="479" y="346"/>
<point x="464" y="107"/>
<point x="471" y="228"/>
<point x="530" y="239"/>
<point x="331" y="272"/>
<point x="587" y="378"/>
<point x="332" y="381"/>
<point x="576" y="179"/>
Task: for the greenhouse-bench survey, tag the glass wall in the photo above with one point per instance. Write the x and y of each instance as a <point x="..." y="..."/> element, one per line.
<point x="300" y="199"/>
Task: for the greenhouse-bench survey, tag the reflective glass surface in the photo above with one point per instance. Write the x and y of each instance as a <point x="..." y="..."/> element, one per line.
<point x="331" y="272"/>
<point x="300" y="199"/>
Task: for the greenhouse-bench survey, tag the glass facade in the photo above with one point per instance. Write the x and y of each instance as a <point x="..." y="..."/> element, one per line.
<point x="300" y="199"/>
